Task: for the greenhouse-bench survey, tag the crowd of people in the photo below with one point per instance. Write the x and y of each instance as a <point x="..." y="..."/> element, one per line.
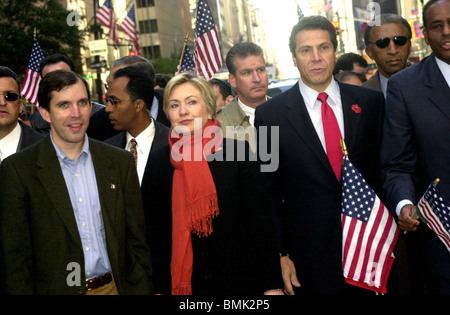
<point x="160" y="190"/>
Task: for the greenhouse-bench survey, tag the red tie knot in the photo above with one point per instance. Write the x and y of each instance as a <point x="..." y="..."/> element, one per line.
<point x="322" y="97"/>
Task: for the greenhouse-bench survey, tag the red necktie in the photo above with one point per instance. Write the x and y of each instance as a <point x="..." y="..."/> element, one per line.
<point x="332" y="135"/>
<point x="134" y="150"/>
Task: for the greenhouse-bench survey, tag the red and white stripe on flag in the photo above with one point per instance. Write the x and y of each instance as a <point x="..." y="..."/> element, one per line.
<point x="434" y="209"/>
<point x="207" y="53"/>
<point x="30" y="84"/>
<point x="369" y="233"/>
<point x="107" y="17"/>
<point x="128" y="25"/>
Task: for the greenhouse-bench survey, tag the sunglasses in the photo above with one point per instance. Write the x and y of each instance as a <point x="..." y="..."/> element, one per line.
<point x="384" y="42"/>
<point x="10" y="96"/>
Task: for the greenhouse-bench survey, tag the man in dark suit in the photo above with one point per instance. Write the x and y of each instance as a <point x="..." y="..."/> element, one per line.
<point x="305" y="189"/>
<point x="389" y="44"/>
<point x="128" y="101"/>
<point x="71" y="210"/>
<point x="14" y="134"/>
<point x="416" y="143"/>
<point x="100" y="127"/>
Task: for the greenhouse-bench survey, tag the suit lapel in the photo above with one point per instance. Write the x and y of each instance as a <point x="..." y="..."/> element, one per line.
<point x="440" y="90"/>
<point x="299" y="119"/>
<point x="107" y="181"/>
<point x="52" y="180"/>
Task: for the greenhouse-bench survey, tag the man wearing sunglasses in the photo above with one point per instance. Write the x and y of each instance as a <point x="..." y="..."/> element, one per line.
<point x="14" y="134"/>
<point x="389" y="45"/>
<point x="416" y="141"/>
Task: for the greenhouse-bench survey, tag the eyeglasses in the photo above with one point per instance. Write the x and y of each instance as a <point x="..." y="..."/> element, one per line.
<point x="10" y="96"/>
<point x="113" y="101"/>
<point x="384" y="42"/>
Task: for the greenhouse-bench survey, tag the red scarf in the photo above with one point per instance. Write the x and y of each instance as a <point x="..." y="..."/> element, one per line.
<point x="194" y="198"/>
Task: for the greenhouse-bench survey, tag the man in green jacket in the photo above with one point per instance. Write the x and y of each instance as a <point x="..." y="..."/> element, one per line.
<point x="71" y="217"/>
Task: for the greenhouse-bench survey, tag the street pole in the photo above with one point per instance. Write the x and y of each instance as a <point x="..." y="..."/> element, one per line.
<point x="98" y="80"/>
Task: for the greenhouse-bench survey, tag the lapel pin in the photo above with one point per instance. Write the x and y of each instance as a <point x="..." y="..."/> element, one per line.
<point x="113" y="186"/>
<point x="356" y="108"/>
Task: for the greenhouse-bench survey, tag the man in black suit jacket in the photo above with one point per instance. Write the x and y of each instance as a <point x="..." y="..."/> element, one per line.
<point x="100" y="127"/>
<point x="306" y="193"/>
<point x="416" y="144"/>
<point x="14" y="134"/>
<point x="128" y="100"/>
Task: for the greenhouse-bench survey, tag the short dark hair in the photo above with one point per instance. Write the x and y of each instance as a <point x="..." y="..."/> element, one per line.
<point x="139" y="85"/>
<point x="242" y="50"/>
<point x="224" y="87"/>
<point x="386" y="19"/>
<point x="56" y="81"/>
<point x="343" y="76"/>
<point x="7" y="72"/>
<point x="426" y="7"/>
<point x="312" y="22"/>
<point x="346" y="61"/>
<point x="55" y="58"/>
<point x="140" y="62"/>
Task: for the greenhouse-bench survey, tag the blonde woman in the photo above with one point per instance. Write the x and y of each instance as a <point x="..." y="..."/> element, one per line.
<point x="208" y="225"/>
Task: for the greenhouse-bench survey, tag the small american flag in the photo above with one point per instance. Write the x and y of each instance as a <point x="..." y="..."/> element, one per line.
<point x="30" y="85"/>
<point x="434" y="210"/>
<point x="129" y="27"/>
<point x="107" y="17"/>
<point x="369" y="233"/>
<point x="207" y="54"/>
<point x="187" y="63"/>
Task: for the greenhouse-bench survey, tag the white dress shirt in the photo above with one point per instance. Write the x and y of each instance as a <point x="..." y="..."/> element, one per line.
<point x="249" y="111"/>
<point x="144" y="144"/>
<point x="313" y="106"/>
<point x="445" y="69"/>
<point x="10" y="143"/>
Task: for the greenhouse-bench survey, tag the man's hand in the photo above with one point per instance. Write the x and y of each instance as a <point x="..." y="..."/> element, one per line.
<point x="289" y="275"/>
<point x="407" y="220"/>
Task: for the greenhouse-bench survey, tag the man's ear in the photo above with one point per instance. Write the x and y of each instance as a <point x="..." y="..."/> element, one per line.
<point x="139" y="104"/>
<point x="45" y="114"/>
<point x="232" y="80"/>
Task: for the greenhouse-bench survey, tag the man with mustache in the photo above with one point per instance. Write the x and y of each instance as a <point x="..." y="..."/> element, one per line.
<point x="389" y="44"/>
<point x="14" y="134"/>
<point x="248" y="75"/>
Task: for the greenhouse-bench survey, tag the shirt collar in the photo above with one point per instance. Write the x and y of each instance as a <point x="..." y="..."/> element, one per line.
<point x="310" y="95"/>
<point x="62" y="156"/>
<point x="10" y="142"/>
<point x="145" y="134"/>
<point x="445" y="69"/>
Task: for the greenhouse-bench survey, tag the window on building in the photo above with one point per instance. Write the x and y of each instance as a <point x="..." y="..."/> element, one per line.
<point x="152" y="52"/>
<point x="145" y="3"/>
<point x="148" y="26"/>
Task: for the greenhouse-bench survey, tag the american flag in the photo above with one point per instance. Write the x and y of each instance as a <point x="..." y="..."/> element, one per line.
<point x="107" y="17"/>
<point x="434" y="209"/>
<point x="30" y="85"/>
<point x="129" y="27"/>
<point x="369" y="233"/>
<point x="207" y="54"/>
<point x="187" y="63"/>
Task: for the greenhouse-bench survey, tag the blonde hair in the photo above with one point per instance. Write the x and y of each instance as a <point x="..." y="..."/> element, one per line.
<point x="205" y="88"/>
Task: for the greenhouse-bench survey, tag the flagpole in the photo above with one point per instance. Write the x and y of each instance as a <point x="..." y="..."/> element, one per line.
<point x="344" y="147"/>
<point x="182" y="52"/>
